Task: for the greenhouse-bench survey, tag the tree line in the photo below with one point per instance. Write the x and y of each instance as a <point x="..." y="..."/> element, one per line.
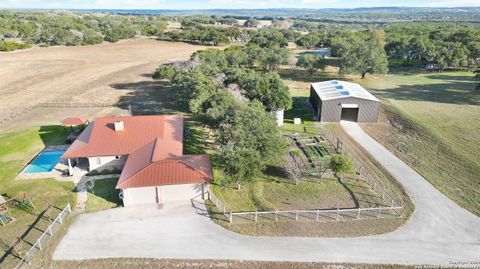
<point x="22" y="29"/>
<point x="232" y="94"/>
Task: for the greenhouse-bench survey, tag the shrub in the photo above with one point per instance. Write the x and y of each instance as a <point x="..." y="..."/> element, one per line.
<point x="341" y="164"/>
<point x="164" y="72"/>
<point x="11" y="45"/>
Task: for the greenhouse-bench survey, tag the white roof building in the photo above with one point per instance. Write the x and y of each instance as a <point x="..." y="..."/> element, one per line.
<point x="335" y="89"/>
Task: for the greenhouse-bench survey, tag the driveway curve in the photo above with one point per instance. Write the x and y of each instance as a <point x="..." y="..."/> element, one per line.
<point x="439" y="233"/>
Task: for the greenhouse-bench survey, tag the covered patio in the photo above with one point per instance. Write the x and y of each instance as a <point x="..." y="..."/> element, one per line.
<point x="71" y="123"/>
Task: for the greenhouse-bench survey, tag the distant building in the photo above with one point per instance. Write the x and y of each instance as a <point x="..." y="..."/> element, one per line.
<point x="336" y="100"/>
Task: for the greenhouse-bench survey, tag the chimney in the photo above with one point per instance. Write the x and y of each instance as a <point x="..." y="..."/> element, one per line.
<point x="118" y="126"/>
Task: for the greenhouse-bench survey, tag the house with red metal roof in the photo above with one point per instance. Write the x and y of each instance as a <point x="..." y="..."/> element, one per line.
<point x="149" y="150"/>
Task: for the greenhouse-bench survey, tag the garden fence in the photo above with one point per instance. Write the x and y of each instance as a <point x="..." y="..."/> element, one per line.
<point x="45" y="237"/>
<point x="319" y="215"/>
<point x="339" y="214"/>
<point x="340" y="147"/>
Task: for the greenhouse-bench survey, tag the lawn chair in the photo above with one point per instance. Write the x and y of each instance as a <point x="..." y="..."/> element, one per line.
<point x="5" y="216"/>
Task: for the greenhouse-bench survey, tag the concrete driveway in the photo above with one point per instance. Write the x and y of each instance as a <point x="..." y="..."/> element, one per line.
<point x="440" y="232"/>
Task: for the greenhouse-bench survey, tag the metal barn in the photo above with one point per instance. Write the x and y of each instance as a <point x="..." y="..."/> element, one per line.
<point x="336" y="100"/>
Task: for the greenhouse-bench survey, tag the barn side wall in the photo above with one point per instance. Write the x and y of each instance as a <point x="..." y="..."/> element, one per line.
<point x="315" y="102"/>
<point x="331" y="110"/>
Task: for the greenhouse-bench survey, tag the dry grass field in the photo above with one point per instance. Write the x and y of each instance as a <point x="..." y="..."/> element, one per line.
<point x="105" y="73"/>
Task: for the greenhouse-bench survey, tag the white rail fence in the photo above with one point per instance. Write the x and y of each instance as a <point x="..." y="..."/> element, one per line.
<point x="45" y="237"/>
<point x="319" y="215"/>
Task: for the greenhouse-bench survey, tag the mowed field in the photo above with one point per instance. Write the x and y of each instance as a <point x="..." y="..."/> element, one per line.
<point x="433" y="122"/>
<point x="103" y="73"/>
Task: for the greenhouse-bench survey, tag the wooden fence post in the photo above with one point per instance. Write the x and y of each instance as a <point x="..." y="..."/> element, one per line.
<point x="358" y="214"/>
<point x="379" y="212"/>
<point x="256" y="216"/>
<point x="296" y="215"/>
<point x="276" y="215"/>
<point x="231" y="217"/>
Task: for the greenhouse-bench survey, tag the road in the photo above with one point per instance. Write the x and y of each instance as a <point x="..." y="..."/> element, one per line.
<point x="439" y="233"/>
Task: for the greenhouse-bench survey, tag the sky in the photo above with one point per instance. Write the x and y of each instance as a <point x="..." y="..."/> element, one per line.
<point x="229" y="4"/>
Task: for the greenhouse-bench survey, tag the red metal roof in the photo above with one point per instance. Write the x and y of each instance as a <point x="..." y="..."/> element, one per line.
<point x="154" y="145"/>
<point x="186" y="169"/>
<point x="74" y="121"/>
<point x="101" y="139"/>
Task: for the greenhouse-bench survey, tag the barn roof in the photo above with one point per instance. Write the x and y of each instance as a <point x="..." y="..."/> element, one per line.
<point x="336" y="89"/>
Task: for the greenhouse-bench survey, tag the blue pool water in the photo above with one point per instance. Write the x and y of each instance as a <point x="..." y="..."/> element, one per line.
<point x="322" y="52"/>
<point x="45" y="162"/>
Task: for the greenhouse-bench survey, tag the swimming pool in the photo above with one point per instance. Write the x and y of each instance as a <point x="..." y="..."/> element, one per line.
<point x="45" y="162"/>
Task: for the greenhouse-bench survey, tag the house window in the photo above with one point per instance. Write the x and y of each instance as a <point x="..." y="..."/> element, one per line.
<point x="98" y="161"/>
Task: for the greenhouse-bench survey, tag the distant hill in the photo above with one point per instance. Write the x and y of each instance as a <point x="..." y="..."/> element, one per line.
<point x="372" y="14"/>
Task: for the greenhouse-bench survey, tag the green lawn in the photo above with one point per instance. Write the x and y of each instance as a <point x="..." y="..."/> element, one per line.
<point x="438" y="129"/>
<point x="17" y="148"/>
<point x="103" y="195"/>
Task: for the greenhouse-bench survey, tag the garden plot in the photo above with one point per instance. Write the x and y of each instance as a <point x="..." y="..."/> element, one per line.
<point x="315" y="151"/>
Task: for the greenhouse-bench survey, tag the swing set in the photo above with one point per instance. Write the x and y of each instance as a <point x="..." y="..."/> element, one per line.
<point x="5" y="204"/>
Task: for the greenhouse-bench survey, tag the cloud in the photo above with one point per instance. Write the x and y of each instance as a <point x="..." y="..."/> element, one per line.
<point x="450" y="3"/>
<point x="318" y="2"/>
<point x="84" y="4"/>
<point x="248" y="3"/>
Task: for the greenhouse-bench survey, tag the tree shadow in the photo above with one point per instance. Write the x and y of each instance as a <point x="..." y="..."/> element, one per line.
<point x="349" y="190"/>
<point x="105" y="189"/>
<point x="12" y="250"/>
<point x="149" y="97"/>
<point x="453" y="90"/>
<point x="303" y="76"/>
<point x="52" y="135"/>
<point x="300" y="108"/>
<point x="194" y="140"/>
<point x="278" y="173"/>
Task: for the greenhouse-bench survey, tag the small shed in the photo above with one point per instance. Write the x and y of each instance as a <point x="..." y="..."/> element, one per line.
<point x="336" y="100"/>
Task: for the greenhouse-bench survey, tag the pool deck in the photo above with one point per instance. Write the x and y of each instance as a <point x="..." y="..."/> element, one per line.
<point x="56" y="173"/>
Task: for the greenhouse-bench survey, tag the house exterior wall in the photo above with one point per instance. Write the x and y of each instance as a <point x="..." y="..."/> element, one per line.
<point x="180" y="192"/>
<point x="139" y="196"/>
<point x="105" y="161"/>
<point x="161" y="194"/>
<point x="331" y="110"/>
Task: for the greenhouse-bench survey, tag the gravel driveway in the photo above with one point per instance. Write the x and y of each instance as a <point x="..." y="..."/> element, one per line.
<point x="440" y="232"/>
